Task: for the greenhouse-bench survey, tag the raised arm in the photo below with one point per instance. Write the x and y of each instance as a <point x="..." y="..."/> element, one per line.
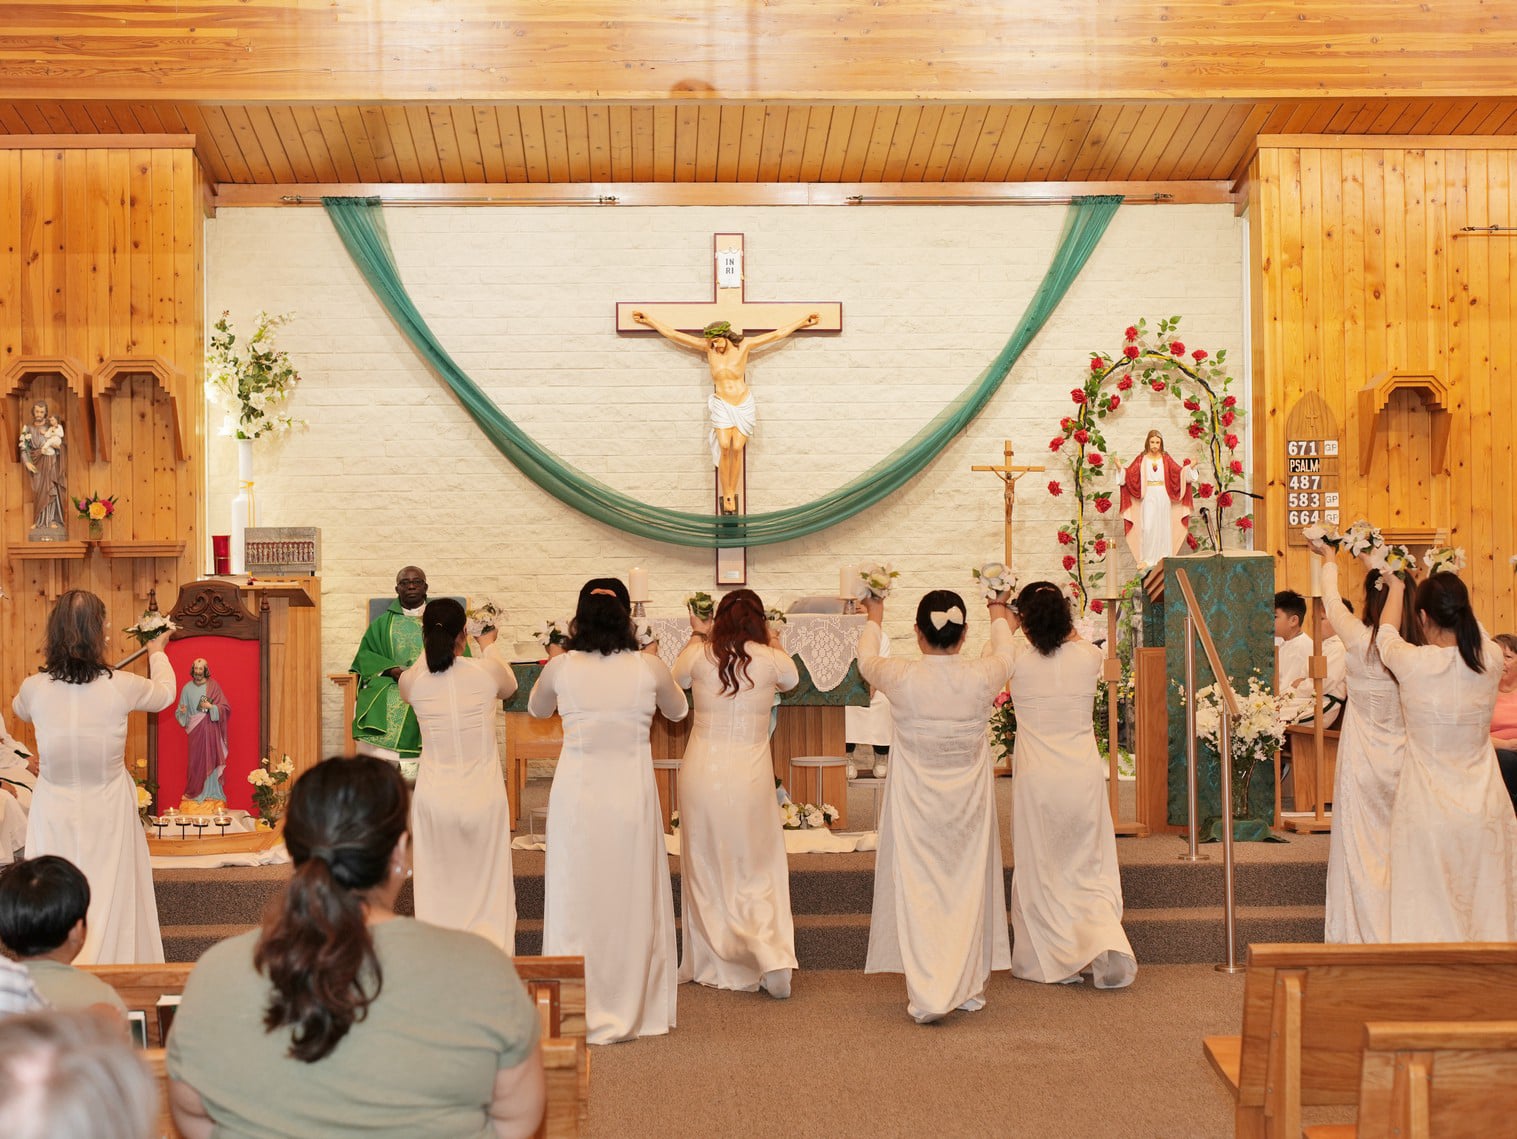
<point x="684" y="339"/>
<point x="764" y="339"/>
<point x="1350" y="630"/>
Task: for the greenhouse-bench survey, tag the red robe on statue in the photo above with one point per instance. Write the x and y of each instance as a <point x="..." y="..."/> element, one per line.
<point x="1179" y="490"/>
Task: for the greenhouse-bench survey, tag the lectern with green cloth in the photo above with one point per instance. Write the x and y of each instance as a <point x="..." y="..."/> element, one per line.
<point x="1235" y="592"/>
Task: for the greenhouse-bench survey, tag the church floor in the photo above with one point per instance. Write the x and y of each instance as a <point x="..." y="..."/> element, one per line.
<point x="842" y="1058"/>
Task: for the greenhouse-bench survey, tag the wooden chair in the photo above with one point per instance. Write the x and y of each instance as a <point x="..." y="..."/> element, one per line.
<point x="1419" y="1079"/>
<point x="1305" y="1008"/>
<point x="140" y="986"/>
<point x="1310" y="770"/>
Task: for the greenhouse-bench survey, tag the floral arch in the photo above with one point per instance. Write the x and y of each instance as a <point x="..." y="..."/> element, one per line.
<point x="1158" y="360"/>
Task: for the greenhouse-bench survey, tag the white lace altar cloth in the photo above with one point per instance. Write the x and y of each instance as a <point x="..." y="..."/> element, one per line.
<point x="826" y="643"/>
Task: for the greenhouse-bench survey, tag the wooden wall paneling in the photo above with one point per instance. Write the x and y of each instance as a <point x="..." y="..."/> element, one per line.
<point x="1205" y="155"/>
<point x="902" y="135"/>
<point x="1293" y="349"/>
<point x="12" y="257"/>
<point x="292" y="143"/>
<point x="1350" y="304"/>
<point x="1502" y="314"/>
<point x="330" y="127"/>
<point x="983" y="152"/>
<point x="382" y="144"/>
<point x="1027" y="145"/>
<point x="686" y="141"/>
<point x="1108" y="130"/>
<point x="598" y="132"/>
<point x="449" y="151"/>
<point x="919" y="148"/>
<point x="276" y="158"/>
<point x="966" y="138"/>
<point x="643" y="144"/>
<point x="621" y="140"/>
<point x="836" y="149"/>
<point x="1060" y="145"/>
<point x="663" y="157"/>
<point x="793" y="149"/>
<point x="395" y="126"/>
<point x="361" y="145"/>
<point x="729" y="144"/>
<point x="1335" y="387"/>
<point x="555" y="144"/>
<point x="410" y="130"/>
<point x="815" y="144"/>
<point x="1125" y="161"/>
<point x="140" y="231"/>
<point x="224" y="140"/>
<point x="880" y="133"/>
<point x="470" y="149"/>
<point x="248" y="143"/>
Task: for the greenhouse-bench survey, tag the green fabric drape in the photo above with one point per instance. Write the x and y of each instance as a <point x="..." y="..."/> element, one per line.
<point x="360" y="224"/>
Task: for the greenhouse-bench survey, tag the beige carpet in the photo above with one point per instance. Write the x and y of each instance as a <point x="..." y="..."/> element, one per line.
<point x="842" y="1058"/>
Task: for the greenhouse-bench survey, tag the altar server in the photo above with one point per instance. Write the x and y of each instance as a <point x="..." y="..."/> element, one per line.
<point x="939" y="894"/>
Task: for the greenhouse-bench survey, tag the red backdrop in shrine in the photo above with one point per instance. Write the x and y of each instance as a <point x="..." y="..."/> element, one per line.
<point x="234" y="665"/>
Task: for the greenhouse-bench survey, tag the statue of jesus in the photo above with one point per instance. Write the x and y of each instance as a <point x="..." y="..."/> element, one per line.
<point x="733" y="417"/>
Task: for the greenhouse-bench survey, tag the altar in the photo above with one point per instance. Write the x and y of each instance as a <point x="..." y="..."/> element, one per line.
<point x="808" y="719"/>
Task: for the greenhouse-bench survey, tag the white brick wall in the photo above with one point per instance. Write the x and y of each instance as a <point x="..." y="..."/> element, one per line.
<point x="394" y="471"/>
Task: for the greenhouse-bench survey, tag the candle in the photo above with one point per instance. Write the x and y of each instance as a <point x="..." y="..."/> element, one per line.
<point x="637" y="584"/>
<point x="1316" y="575"/>
<point x="1113" y="586"/>
<point x="848" y="581"/>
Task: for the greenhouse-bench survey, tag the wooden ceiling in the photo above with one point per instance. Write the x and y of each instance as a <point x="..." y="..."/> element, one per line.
<point x="557" y="92"/>
<point x="269" y="144"/>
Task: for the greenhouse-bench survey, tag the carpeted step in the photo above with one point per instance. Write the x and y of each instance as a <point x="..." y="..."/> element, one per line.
<point x="1195" y="935"/>
<point x="188" y="942"/>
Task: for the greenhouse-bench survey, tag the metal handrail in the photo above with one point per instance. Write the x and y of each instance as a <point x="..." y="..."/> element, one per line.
<point x="1195" y="623"/>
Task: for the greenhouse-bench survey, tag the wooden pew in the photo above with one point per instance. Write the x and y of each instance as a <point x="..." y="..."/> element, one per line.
<point x="1310" y="771"/>
<point x="140" y="986"/>
<point x="1420" y="1079"/>
<point x="155" y="1060"/>
<point x="1305" y="1008"/>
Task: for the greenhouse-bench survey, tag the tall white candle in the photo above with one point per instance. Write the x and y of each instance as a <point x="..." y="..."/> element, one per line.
<point x="1316" y="575"/>
<point x="848" y="581"/>
<point x="1113" y="587"/>
<point x="637" y="584"/>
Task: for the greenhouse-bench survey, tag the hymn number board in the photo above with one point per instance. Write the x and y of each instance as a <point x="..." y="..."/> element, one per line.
<point x="1311" y="466"/>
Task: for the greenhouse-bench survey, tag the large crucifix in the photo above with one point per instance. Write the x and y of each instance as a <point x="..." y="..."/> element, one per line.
<point x="1008" y="474"/>
<point x="726" y="329"/>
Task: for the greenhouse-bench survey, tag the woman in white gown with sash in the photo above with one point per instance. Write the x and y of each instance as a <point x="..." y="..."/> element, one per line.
<point x="939" y="892"/>
<point x="1453" y="836"/>
<point x="460" y="815"/>
<point x="734" y="879"/>
<point x="1066" y="892"/>
<point x="84" y="807"/>
<point x="1371" y="751"/>
<point x="607" y="892"/>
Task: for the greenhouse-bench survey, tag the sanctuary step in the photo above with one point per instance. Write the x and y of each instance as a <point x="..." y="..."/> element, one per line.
<point x="1173" y="909"/>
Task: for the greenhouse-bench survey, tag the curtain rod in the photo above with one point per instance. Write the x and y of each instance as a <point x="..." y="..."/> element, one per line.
<point x="1007" y="200"/>
<point x="599" y="200"/>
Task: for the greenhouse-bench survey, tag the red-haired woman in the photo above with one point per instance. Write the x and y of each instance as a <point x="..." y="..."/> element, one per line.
<point x="735" y="891"/>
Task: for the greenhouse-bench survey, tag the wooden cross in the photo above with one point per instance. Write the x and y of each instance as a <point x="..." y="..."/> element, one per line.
<point x="683" y="322"/>
<point x="1008" y="474"/>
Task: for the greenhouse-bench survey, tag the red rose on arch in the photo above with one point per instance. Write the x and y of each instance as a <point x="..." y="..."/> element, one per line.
<point x="1077" y="394"/>
<point x="1192" y="404"/>
<point x="1097" y="606"/>
<point x="1100" y="547"/>
<point x="1204" y="490"/>
<point x="1158" y="386"/>
<point x="1245" y="523"/>
<point x="1096" y="363"/>
<point x="1125" y="383"/>
<point x="1227" y="418"/>
<point x="1056" y="442"/>
<point x="1131" y="351"/>
<point x="1230" y="401"/>
<point x="1236" y="467"/>
<point x="1231" y="441"/>
<point x="1225" y="498"/>
<point x="1066" y="423"/>
<point x="1176" y="349"/>
<point x="1095" y="458"/>
<point x="1132" y="332"/>
<point x="1198" y="355"/>
<point x="1065" y="537"/>
<point x="1114" y="403"/>
<point x="1195" y="430"/>
<point x="1082" y="436"/>
<point x="1190" y="540"/>
<point x="1069" y="561"/>
<point x="1054" y="488"/>
<point x="1103" y="504"/>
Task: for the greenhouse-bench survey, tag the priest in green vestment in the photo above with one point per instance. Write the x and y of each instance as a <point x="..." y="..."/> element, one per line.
<point x="383" y="723"/>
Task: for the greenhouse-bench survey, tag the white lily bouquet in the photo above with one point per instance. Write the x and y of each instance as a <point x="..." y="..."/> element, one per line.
<point x="878" y="578"/>
<point x="1364" y="540"/>
<point x="806" y="816"/>
<point x="551" y="633"/>
<point x="702" y="605"/>
<point x="1257" y="734"/>
<point x="643" y="629"/>
<point x="483" y="617"/>
<point x="151" y="624"/>
<point x="995" y="578"/>
<point x="1444" y="559"/>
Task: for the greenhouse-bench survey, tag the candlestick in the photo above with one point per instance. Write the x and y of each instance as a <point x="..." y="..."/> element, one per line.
<point x="1316" y="575"/>
<point x="637" y="584"/>
<point x="848" y="582"/>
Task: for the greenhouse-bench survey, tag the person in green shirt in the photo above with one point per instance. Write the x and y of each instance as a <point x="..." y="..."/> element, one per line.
<point x="383" y="723"/>
<point x="43" y="903"/>
<point x="340" y="1018"/>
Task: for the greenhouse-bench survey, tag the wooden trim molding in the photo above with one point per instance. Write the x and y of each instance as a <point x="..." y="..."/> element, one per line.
<point x="97" y="142"/>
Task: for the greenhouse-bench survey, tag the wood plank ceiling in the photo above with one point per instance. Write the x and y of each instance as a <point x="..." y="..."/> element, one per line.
<point x="279" y="143"/>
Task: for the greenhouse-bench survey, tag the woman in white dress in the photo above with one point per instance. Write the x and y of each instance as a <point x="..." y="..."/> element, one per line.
<point x="1371" y="751"/>
<point x="1066" y="893"/>
<point x="1453" y="840"/>
<point x="735" y="882"/>
<point x="84" y="807"/>
<point x="607" y="889"/>
<point x="460" y="816"/>
<point x="939" y="892"/>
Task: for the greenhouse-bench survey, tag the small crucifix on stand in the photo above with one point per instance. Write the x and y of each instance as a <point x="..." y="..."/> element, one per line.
<point x="726" y="328"/>
<point x="1008" y="473"/>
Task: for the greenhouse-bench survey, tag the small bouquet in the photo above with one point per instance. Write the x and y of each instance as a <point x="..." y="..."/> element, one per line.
<point x="1444" y="559"/>
<point x="995" y="578"/>
<point x="269" y="791"/>
<point x="1003" y="726"/>
<point x="551" y="633"/>
<point x="1391" y="560"/>
<point x="151" y="624"/>
<point x="775" y="617"/>
<point x="95" y="510"/>
<point x="147" y="790"/>
<point x="643" y="630"/>
<point x="877" y="579"/>
<point x="673" y="821"/>
<point x="701" y="605"/>
<point x="483" y="617"/>
<point x="806" y="816"/>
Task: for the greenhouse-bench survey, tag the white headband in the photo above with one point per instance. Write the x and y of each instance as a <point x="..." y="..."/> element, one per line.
<point x="952" y="616"/>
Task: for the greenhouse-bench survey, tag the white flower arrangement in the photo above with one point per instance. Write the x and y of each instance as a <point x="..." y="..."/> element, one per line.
<point x="483" y="617"/>
<point x="995" y="578"/>
<point x="702" y="605"/>
<point x="551" y="633"/>
<point x="807" y="816"/>
<point x="252" y="380"/>
<point x="877" y="579"/>
<point x="643" y="629"/>
<point x="269" y="790"/>
<point x="151" y="624"/>
<point x="1257" y="734"/>
<point x="1444" y="559"/>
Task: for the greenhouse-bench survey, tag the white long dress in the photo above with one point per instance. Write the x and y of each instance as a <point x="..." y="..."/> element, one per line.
<point x="460" y="816"/>
<point x="939" y="893"/>
<point x="1453" y="837"/>
<point x="734" y="880"/>
<point x="84" y="807"/>
<point x="607" y="893"/>
<point x="1066" y="893"/>
<point x="1371" y="752"/>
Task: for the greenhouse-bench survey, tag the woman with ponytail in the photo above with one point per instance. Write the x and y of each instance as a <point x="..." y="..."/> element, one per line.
<point x="735" y="886"/>
<point x="461" y="818"/>
<point x="339" y="1017"/>
<point x="1066" y="892"/>
<point x="1453" y="836"/>
<point x="939" y="891"/>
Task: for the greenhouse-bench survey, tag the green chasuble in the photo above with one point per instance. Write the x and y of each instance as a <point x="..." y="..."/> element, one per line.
<point x="381" y="717"/>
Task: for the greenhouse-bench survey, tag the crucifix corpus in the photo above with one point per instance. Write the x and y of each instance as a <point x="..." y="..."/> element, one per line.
<point x="726" y="329"/>
<point x="1008" y="474"/>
